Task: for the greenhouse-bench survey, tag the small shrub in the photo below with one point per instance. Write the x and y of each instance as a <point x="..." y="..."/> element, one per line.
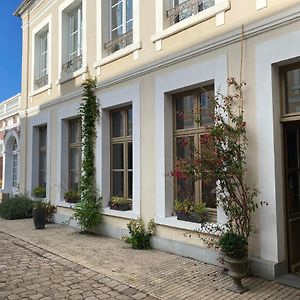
<point x="72" y="196"/>
<point x="233" y="245"/>
<point x="139" y="237"/>
<point x="16" y="207"/>
<point x="39" y="192"/>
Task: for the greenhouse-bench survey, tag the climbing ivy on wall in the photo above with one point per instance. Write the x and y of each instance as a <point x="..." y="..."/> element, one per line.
<point x="88" y="211"/>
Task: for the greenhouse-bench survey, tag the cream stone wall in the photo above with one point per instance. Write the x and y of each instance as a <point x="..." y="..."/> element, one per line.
<point x="216" y="52"/>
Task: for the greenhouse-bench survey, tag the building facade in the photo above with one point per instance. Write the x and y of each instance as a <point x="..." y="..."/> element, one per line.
<point x="152" y="60"/>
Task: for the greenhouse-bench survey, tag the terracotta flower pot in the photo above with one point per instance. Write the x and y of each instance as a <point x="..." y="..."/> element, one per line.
<point x="237" y="271"/>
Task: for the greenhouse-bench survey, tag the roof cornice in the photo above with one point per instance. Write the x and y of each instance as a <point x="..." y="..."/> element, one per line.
<point x="23" y="7"/>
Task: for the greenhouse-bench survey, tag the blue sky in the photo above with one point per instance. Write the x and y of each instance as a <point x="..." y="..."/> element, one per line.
<point x="10" y="49"/>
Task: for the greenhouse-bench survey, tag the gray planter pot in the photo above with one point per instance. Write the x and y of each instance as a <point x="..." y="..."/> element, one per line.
<point x="237" y="271"/>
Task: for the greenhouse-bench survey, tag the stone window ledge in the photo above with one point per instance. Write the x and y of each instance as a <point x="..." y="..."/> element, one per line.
<point x="65" y="204"/>
<point x="129" y="214"/>
<point x="66" y="78"/>
<point x="192" y="21"/>
<point x="178" y="224"/>
<point x="119" y="54"/>
<point x="43" y="89"/>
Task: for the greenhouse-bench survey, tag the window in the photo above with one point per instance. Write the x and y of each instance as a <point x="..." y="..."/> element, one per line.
<point x="73" y="46"/>
<point x="42" y="156"/>
<point x="183" y="9"/>
<point x="291" y="90"/>
<point x="121" y="25"/>
<point x="121" y="153"/>
<point x="192" y="117"/>
<point x="41" y="68"/>
<point x="15" y="165"/>
<point x="1" y="166"/>
<point x="74" y="154"/>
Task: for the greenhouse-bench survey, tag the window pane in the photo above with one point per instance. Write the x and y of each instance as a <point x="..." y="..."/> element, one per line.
<point x="209" y="193"/>
<point x="118" y="158"/>
<point x="130" y="156"/>
<point x="15" y="146"/>
<point x="207" y="107"/>
<point x="184" y="147"/>
<point x="74" y="131"/>
<point x="74" y="158"/>
<point x="185" y="189"/>
<point x="292" y="148"/>
<point x="129" y="121"/>
<point x="185" y="112"/>
<point x="293" y="91"/>
<point x="43" y="136"/>
<point x="118" y="124"/>
<point x="128" y="10"/>
<point x="130" y="184"/>
<point x="129" y="26"/>
<point x="116" y="15"/>
<point x="74" y="180"/>
<point x="118" y="184"/>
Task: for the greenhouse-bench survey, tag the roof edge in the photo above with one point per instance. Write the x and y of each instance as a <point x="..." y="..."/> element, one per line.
<point x="23" y="7"/>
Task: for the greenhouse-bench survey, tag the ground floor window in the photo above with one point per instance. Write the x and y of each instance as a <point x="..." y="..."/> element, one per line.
<point x="15" y="165"/>
<point x="121" y="153"/>
<point x="42" y="156"/>
<point x="74" y="127"/>
<point x="192" y="115"/>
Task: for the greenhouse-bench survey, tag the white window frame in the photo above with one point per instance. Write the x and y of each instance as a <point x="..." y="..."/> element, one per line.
<point x="37" y="32"/>
<point x="103" y="8"/>
<point x="43" y="54"/>
<point x="164" y="30"/>
<point x="77" y="12"/>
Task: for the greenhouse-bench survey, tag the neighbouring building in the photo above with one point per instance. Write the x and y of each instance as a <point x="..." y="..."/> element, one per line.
<point x="151" y="59"/>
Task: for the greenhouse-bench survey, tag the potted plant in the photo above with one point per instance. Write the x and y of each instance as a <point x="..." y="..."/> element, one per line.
<point x="39" y="192"/>
<point x="72" y="197"/>
<point x="190" y="211"/>
<point x="234" y="250"/>
<point x="224" y="159"/>
<point x="39" y="214"/>
<point x="50" y="210"/>
<point x="119" y="203"/>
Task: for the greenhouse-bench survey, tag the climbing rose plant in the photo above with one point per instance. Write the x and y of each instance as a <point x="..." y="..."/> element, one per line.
<point x="223" y="159"/>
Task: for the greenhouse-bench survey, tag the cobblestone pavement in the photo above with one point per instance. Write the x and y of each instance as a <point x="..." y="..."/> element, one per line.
<point x="156" y="273"/>
<point x="29" y="272"/>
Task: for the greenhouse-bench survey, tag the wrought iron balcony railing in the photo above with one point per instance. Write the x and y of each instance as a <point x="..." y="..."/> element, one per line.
<point x="41" y="81"/>
<point x="187" y="9"/>
<point x="119" y="42"/>
<point x="72" y="65"/>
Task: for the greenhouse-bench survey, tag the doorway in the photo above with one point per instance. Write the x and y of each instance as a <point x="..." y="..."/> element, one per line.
<point x="292" y="192"/>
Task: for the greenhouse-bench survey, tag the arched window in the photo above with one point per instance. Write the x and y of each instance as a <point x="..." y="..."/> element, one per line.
<point x="15" y="165"/>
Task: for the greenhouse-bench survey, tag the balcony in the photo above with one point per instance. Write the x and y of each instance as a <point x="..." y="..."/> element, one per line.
<point x="72" y="65"/>
<point x="41" y="81"/>
<point x="186" y="9"/>
<point x="119" y="42"/>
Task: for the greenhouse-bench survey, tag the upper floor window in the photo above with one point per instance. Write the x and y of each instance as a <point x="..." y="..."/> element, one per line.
<point x="72" y="43"/>
<point x="183" y="9"/>
<point x="121" y="25"/>
<point x="41" y="58"/>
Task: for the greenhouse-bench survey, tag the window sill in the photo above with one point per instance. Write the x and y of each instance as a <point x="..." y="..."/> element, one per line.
<point x="65" y="204"/>
<point x="43" y="89"/>
<point x="118" y="54"/>
<point x="178" y="224"/>
<point x="128" y="214"/>
<point x="68" y="77"/>
<point x="192" y="20"/>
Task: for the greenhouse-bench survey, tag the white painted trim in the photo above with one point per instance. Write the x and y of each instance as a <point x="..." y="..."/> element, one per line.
<point x="260" y="4"/>
<point x="119" y="97"/>
<point x="46" y="22"/>
<point x="191" y="21"/>
<point x="269" y="140"/>
<point x="207" y="70"/>
<point x="41" y="90"/>
<point x="42" y="118"/>
<point x="77" y="73"/>
<point x="119" y="54"/>
<point x="120" y="214"/>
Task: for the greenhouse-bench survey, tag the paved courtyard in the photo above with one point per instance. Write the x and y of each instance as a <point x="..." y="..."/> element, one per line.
<point x="59" y="263"/>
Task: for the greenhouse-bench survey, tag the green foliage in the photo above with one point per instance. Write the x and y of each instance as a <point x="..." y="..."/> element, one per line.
<point x="189" y="207"/>
<point x="140" y="237"/>
<point x="39" y="192"/>
<point x="233" y="245"/>
<point x="71" y="197"/>
<point x="223" y="158"/>
<point x="50" y="210"/>
<point x="39" y="204"/>
<point x="16" y="207"/>
<point x="119" y="200"/>
<point x="88" y="211"/>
